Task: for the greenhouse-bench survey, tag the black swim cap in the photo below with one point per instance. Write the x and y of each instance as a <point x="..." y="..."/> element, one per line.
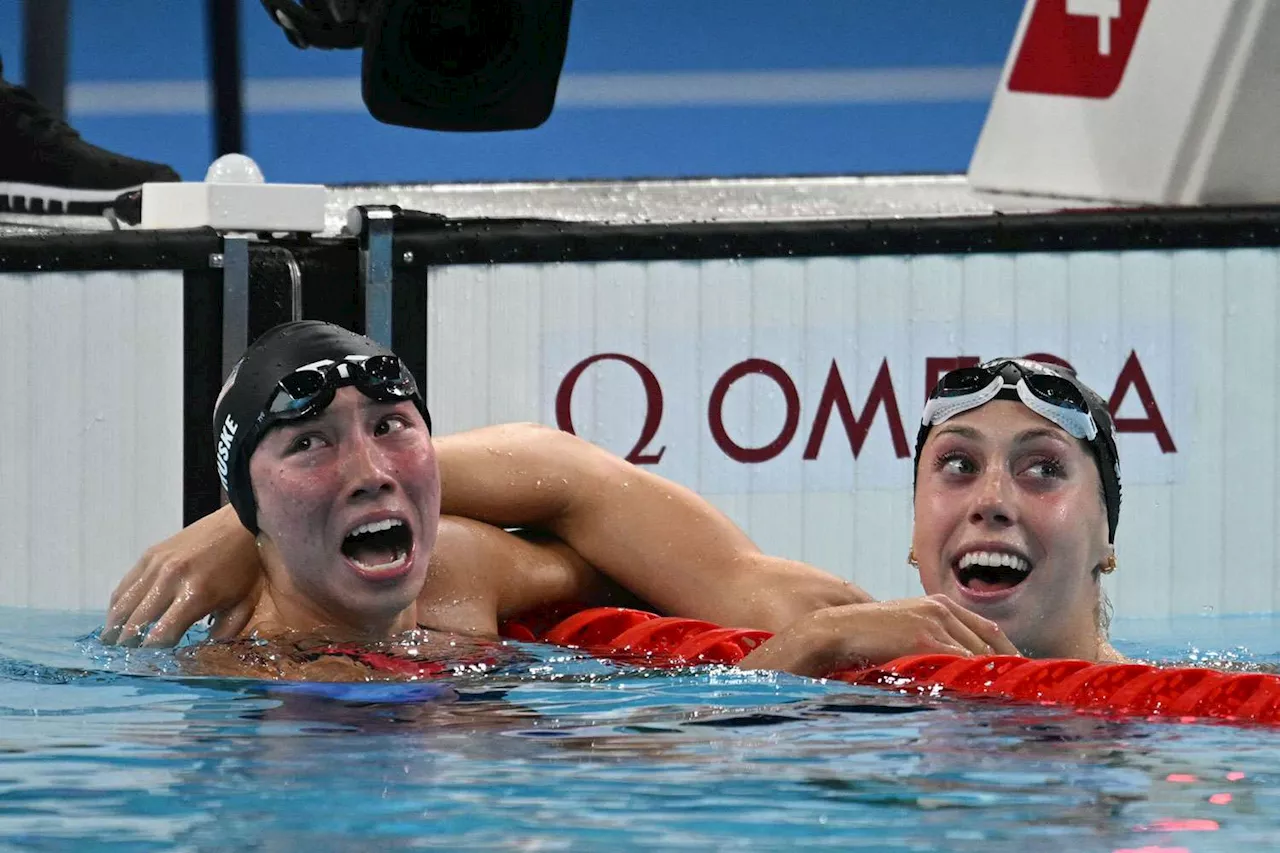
<point x="240" y="415"/>
<point x="1102" y="445"/>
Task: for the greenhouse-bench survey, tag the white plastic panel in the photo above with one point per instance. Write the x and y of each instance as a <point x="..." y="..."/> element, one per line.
<point x="90" y="431"/>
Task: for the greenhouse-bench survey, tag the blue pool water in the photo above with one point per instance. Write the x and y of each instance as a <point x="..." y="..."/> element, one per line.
<point x="102" y="749"/>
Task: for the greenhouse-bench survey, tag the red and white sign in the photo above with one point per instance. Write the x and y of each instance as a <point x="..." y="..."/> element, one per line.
<point x="1153" y="101"/>
<point x="788" y="391"/>
<point x="1077" y="47"/>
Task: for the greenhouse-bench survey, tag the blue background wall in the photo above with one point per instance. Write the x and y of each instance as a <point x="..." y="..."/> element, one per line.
<point x="875" y="86"/>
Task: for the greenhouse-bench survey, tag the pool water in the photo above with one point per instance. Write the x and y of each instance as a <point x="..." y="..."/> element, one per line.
<point x="107" y="749"/>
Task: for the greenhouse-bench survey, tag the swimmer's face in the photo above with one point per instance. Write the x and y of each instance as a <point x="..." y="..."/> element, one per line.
<point x="1002" y="485"/>
<point x="348" y="507"/>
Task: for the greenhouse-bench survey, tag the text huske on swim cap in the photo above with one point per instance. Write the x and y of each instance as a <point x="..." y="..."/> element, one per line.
<point x="225" y="439"/>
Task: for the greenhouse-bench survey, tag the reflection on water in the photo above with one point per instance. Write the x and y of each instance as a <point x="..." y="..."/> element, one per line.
<point x="547" y="750"/>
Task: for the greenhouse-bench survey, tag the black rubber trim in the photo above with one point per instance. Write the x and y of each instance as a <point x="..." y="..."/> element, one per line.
<point x="186" y="249"/>
<point x="201" y="382"/>
<point x="409" y="295"/>
<point x="523" y="241"/>
<point x="270" y="289"/>
<point x="331" y="281"/>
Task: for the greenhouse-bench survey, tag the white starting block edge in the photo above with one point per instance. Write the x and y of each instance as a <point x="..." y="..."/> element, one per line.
<point x="1192" y="120"/>
<point x="298" y="208"/>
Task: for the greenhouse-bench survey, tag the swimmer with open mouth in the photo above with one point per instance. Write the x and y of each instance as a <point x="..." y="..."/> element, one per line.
<point x="335" y="524"/>
<point x="326" y="453"/>
<point x="1017" y="501"/>
<point x="1017" y="497"/>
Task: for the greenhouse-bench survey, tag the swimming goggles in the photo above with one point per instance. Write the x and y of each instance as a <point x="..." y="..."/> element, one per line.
<point x="1053" y="397"/>
<point x="310" y="389"/>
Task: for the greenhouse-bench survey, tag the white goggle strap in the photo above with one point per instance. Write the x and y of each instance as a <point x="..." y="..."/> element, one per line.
<point x="1077" y="423"/>
<point x="940" y="409"/>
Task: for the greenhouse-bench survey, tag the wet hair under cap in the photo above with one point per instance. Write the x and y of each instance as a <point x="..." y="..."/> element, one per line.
<point x="239" y="413"/>
<point x="1102" y="447"/>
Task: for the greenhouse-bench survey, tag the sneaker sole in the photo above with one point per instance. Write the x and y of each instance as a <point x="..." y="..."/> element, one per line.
<point x="57" y="201"/>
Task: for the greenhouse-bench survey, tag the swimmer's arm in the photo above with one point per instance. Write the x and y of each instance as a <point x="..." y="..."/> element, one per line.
<point x="860" y="635"/>
<point x="481" y="575"/>
<point x="211" y="567"/>
<point x="659" y="540"/>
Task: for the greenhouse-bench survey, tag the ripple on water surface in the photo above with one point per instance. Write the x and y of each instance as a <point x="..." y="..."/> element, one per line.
<point x="106" y="749"/>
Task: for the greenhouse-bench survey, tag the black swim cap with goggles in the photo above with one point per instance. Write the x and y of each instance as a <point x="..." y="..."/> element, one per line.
<point x="290" y="373"/>
<point x="1051" y="391"/>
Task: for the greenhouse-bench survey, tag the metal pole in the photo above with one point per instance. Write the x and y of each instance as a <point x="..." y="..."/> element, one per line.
<point x="235" y="299"/>
<point x="375" y="275"/>
<point x="44" y="63"/>
<point x="375" y="225"/>
<point x="224" y="76"/>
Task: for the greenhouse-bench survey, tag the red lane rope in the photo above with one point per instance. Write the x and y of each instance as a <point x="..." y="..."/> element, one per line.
<point x="1125" y="689"/>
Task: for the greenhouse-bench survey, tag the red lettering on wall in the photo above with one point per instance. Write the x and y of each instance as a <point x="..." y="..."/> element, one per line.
<point x="835" y="398"/>
<point x="715" y="411"/>
<point x="855" y="428"/>
<point x="652" y="400"/>
<point x="1132" y="376"/>
<point x="935" y="367"/>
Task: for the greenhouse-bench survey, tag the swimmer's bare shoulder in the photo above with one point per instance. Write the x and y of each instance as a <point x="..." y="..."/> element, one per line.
<point x="481" y="575"/>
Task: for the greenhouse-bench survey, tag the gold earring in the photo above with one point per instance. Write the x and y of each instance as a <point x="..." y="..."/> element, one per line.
<point x="1109" y="565"/>
<point x="911" y="557"/>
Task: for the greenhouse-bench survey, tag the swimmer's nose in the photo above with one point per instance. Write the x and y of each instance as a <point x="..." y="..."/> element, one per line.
<point x="993" y="499"/>
<point x="367" y="469"/>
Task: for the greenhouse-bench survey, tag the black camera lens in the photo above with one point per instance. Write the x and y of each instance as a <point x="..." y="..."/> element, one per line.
<point x="465" y="64"/>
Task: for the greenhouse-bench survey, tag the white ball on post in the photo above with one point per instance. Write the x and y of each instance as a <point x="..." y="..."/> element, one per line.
<point x="234" y="169"/>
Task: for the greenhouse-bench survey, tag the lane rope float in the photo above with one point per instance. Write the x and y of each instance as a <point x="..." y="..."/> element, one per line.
<point x="1122" y="689"/>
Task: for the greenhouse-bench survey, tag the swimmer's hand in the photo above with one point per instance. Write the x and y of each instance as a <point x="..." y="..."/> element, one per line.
<point x="862" y="635"/>
<point x="210" y="568"/>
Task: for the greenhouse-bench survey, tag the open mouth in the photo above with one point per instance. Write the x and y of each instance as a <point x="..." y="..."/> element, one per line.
<point x="379" y="546"/>
<point x="991" y="571"/>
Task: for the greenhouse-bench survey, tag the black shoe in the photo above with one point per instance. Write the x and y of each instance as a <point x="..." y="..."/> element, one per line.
<point x="45" y="167"/>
